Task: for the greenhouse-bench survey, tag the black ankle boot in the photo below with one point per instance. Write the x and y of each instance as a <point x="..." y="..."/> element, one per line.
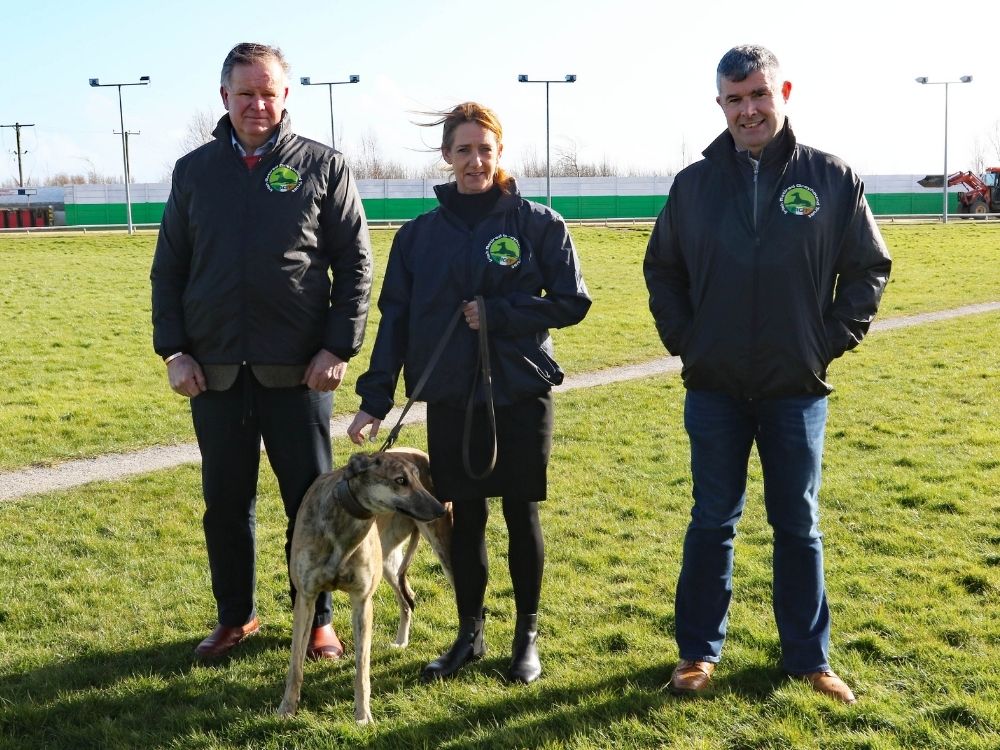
<point x="524" y="664"/>
<point x="469" y="646"/>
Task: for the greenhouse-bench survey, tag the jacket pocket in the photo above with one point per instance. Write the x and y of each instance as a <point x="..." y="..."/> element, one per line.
<point x="527" y="367"/>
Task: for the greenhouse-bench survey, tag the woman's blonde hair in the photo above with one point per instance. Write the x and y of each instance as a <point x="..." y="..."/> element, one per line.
<point x="471" y="112"/>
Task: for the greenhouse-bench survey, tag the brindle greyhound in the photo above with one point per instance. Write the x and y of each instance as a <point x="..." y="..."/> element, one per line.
<point x="336" y="546"/>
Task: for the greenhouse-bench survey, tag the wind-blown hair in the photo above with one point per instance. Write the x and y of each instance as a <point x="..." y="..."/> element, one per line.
<point x="740" y="62"/>
<point x="470" y="112"/>
<point x="251" y="53"/>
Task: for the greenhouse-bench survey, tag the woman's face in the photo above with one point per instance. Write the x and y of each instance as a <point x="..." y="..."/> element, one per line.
<point x="473" y="155"/>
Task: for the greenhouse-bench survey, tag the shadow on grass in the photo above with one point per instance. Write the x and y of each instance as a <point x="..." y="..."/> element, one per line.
<point x="160" y="696"/>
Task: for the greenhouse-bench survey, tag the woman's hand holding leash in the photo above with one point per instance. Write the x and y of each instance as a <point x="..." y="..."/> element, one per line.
<point x="471" y="312"/>
<point x="361" y="420"/>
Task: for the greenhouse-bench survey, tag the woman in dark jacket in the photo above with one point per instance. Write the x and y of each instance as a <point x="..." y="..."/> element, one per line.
<point x="483" y="240"/>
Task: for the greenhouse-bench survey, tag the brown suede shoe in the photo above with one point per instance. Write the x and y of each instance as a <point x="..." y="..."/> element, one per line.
<point x="324" y="644"/>
<point x="690" y="677"/>
<point x="829" y="684"/>
<point x="223" y="639"/>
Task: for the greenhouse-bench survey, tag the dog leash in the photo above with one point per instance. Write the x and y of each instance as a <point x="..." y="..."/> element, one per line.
<point x="483" y="368"/>
<point x="438" y="351"/>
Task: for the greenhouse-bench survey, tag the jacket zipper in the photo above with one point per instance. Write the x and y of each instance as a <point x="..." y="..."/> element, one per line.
<point x="756" y="265"/>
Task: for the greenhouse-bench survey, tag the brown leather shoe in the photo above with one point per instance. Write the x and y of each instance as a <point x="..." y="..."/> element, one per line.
<point x="223" y="639"/>
<point x="690" y="676"/>
<point x="324" y="644"/>
<point x="828" y="683"/>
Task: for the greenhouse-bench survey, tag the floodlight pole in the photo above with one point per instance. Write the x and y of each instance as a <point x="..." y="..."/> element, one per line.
<point x="548" y="169"/>
<point x="128" y="161"/>
<point x="944" y="189"/>
<point x="307" y="81"/>
<point x="143" y="81"/>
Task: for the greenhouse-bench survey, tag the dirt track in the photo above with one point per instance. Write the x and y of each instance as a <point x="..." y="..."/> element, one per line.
<point x="32" y="481"/>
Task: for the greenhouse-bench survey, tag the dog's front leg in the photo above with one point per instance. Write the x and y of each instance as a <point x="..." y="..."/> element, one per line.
<point x="361" y="621"/>
<point x="305" y="606"/>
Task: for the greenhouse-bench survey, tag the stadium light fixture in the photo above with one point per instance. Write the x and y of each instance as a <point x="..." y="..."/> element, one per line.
<point x="307" y="81"/>
<point x="143" y="81"/>
<point x="944" y="190"/>
<point x="522" y="78"/>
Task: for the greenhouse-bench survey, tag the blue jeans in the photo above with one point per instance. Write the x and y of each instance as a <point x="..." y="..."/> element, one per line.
<point x="789" y="437"/>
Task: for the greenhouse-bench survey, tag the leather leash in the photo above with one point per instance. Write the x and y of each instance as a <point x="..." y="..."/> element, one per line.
<point x="483" y="368"/>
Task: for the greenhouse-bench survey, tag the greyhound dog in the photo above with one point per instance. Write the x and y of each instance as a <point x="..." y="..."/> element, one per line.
<point x="337" y="545"/>
<point x="395" y="528"/>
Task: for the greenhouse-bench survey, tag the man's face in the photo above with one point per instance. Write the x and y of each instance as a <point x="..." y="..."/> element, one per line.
<point x="255" y="99"/>
<point x="755" y="111"/>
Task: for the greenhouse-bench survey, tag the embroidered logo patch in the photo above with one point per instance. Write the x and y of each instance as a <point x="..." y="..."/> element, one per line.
<point x="504" y="250"/>
<point x="800" y="200"/>
<point x="283" y="179"/>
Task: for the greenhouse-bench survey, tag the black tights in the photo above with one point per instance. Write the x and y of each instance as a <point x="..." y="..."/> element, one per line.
<point x="525" y="554"/>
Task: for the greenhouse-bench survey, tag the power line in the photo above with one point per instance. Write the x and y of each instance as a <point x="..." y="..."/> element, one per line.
<point x="17" y="127"/>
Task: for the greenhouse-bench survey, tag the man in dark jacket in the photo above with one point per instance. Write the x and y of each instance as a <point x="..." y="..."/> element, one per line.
<point x="261" y="280"/>
<point x="764" y="266"/>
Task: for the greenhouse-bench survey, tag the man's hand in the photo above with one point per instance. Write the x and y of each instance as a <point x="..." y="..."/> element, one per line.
<point x="186" y="377"/>
<point x="361" y="420"/>
<point x="325" y="371"/>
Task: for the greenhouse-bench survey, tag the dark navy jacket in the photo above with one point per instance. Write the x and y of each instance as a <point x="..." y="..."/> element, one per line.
<point x="520" y="259"/>
<point x="758" y="279"/>
<point x="243" y="263"/>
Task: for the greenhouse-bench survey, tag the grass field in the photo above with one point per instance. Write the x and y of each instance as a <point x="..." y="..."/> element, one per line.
<point x="105" y="589"/>
<point x="105" y="593"/>
<point x="80" y="378"/>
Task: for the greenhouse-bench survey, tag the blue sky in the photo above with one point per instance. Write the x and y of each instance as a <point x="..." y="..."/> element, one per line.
<point x="645" y="94"/>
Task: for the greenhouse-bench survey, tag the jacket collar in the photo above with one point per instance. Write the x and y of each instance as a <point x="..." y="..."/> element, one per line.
<point x="778" y="151"/>
<point x="224" y="129"/>
<point x="445" y="192"/>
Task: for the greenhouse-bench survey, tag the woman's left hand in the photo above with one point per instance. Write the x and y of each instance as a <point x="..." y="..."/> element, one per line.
<point x="471" y="312"/>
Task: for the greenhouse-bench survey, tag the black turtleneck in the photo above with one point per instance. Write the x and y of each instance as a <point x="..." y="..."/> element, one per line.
<point x="471" y="208"/>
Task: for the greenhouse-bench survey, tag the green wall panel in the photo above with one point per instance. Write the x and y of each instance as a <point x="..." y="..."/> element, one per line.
<point x="570" y="206"/>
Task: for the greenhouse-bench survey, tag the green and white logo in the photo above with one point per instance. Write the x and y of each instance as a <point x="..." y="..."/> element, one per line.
<point x="800" y="200"/>
<point x="504" y="250"/>
<point x="283" y="179"/>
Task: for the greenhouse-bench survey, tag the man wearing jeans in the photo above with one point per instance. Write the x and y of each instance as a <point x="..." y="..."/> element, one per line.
<point x="764" y="266"/>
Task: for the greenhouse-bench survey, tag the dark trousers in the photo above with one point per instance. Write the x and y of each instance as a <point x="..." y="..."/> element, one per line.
<point x="525" y="554"/>
<point x="294" y="424"/>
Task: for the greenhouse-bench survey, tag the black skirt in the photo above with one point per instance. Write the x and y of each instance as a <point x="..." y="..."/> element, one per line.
<point x="524" y="442"/>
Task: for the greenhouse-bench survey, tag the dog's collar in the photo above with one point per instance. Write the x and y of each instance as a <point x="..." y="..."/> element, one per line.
<point x="348" y="502"/>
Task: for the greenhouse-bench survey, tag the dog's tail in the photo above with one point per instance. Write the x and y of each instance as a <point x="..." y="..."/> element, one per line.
<point x="404" y="584"/>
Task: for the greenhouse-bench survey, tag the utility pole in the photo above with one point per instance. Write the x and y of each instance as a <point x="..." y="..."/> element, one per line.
<point x="17" y="129"/>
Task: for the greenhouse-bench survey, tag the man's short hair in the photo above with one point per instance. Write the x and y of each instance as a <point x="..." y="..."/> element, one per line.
<point x="740" y="62"/>
<point x="251" y="53"/>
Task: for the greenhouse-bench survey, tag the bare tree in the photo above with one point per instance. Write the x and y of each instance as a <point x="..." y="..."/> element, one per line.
<point x="199" y="130"/>
<point x="530" y="165"/>
<point x="568" y="163"/>
<point x="368" y="163"/>
<point x="978" y="156"/>
<point x="436" y="169"/>
<point x="993" y="136"/>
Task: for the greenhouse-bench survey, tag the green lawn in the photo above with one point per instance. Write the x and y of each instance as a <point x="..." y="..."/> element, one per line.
<point x="106" y="593"/>
<point x="80" y="378"/>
